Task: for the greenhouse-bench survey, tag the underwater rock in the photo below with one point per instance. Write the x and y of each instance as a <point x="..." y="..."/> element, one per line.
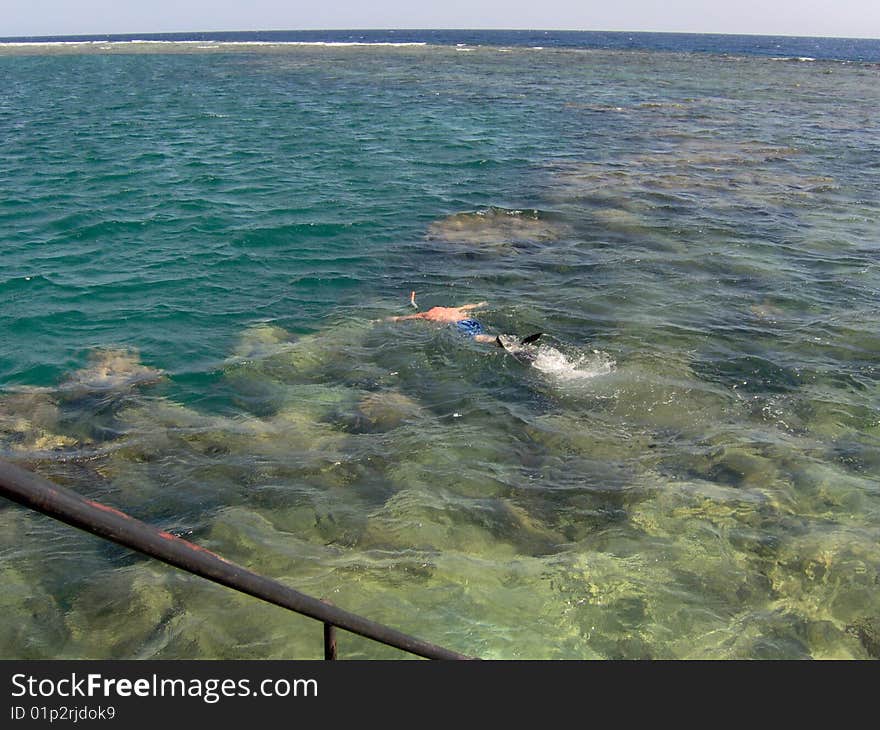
<point x="320" y="521"/>
<point x="33" y="625"/>
<point x="472" y="459"/>
<point x="829" y="573"/>
<point x="304" y="402"/>
<point x="719" y="173"/>
<point x="677" y="506"/>
<point x="160" y="426"/>
<point x="766" y="312"/>
<point x="143" y="612"/>
<point x="762" y="633"/>
<point x="109" y="370"/>
<point x="751" y="374"/>
<point x="324" y="372"/>
<point x="742" y="467"/>
<point x="570" y="434"/>
<point x="34" y="406"/>
<point x="29" y="423"/>
<point x="218" y="623"/>
<point x="296" y="428"/>
<point x="696" y="529"/>
<point x="334" y="353"/>
<point x="859" y="453"/>
<point x="175" y="460"/>
<point x="117" y="615"/>
<point x="260" y="341"/>
<point x="521" y="594"/>
<point x="249" y="538"/>
<point x="468" y="481"/>
<point x="423" y="519"/>
<point x="868" y="632"/>
<point x="495" y="226"/>
<point x="826" y="640"/>
<point x="616" y="601"/>
<point x="831" y="491"/>
<point x="391" y="569"/>
<point x="385" y="410"/>
<point x="829" y="416"/>
<point x="159" y="431"/>
<point x="13" y="527"/>
<point x="620" y="219"/>
<point x="433" y="515"/>
<point x="250" y="368"/>
<point x="532" y="535"/>
<point x="80" y="412"/>
<point x="734" y="460"/>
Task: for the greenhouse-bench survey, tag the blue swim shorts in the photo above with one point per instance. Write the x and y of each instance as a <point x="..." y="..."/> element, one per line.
<point x="470" y="327"/>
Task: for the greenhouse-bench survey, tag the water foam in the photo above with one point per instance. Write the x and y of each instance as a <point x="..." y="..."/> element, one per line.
<point x="584" y="366"/>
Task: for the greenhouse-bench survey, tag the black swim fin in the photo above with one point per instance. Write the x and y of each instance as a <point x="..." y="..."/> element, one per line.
<point x="524" y="341"/>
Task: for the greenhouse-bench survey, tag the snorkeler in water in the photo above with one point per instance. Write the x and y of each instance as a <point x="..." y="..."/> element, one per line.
<point x="457" y="316"/>
<point x="464" y="323"/>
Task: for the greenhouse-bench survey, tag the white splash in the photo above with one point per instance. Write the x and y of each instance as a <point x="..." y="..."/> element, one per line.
<point x="584" y="366"/>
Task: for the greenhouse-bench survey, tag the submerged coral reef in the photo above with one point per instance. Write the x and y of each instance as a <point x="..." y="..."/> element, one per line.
<point x="643" y="514"/>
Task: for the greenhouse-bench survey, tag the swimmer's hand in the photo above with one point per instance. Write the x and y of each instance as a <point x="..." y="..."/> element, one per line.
<point x="478" y="305"/>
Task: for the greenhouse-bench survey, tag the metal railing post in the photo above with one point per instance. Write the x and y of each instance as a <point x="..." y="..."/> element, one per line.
<point x="329" y="641"/>
<point x="329" y="637"/>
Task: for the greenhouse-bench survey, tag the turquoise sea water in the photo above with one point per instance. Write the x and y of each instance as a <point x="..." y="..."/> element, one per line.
<point x="200" y="246"/>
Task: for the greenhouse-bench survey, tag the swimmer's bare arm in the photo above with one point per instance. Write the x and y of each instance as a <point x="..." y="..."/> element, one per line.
<point x="441" y="314"/>
<point x="420" y="315"/>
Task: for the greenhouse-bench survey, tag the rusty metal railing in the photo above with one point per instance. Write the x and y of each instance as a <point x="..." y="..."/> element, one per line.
<point x="31" y="490"/>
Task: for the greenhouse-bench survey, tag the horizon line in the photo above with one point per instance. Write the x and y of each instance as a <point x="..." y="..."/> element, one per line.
<point x="383" y="29"/>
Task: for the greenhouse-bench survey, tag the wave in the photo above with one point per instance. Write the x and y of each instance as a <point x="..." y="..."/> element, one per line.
<point x="202" y="43"/>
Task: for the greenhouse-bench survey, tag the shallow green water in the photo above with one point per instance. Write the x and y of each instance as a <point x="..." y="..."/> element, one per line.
<point x="197" y="248"/>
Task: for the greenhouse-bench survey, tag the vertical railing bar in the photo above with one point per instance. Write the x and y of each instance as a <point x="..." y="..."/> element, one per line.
<point x="329" y="642"/>
<point x="329" y="637"/>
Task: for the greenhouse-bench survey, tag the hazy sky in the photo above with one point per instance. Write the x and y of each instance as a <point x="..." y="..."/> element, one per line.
<point x="856" y="18"/>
